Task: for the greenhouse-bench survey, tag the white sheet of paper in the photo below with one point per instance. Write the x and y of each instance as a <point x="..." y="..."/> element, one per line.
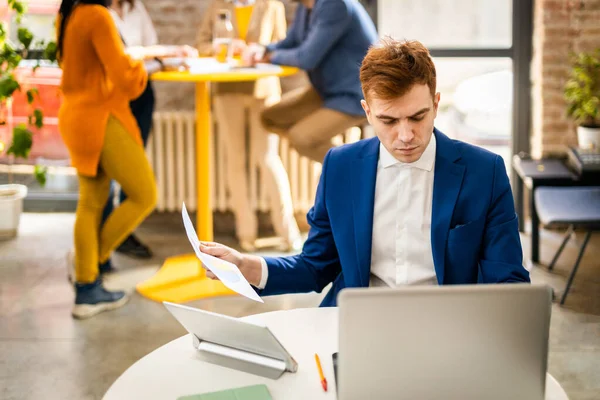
<point x="212" y="66"/>
<point x="274" y="69"/>
<point x="227" y="272"/>
<point x="206" y="66"/>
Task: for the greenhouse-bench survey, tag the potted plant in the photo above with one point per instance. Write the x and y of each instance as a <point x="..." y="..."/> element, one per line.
<point x="19" y="145"/>
<point x="582" y="92"/>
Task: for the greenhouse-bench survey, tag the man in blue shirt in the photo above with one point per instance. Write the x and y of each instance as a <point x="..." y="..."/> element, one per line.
<point x="328" y="39"/>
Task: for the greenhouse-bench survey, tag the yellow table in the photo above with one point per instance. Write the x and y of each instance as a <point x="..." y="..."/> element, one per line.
<point x="182" y="278"/>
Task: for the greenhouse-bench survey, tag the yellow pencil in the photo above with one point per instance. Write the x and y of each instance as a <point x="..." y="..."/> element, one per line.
<point x="323" y="380"/>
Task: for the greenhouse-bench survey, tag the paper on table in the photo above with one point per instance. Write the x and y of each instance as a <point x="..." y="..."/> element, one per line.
<point x="207" y="65"/>
<point x="227" y="272"/>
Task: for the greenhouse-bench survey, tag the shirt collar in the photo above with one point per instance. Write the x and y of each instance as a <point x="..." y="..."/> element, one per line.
<point x="426" y="161"/>
<point x="239" y="3"/>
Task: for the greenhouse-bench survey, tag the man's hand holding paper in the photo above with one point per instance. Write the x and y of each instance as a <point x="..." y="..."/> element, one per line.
<point x="248" y="265"/>
<point x="224" y="263"/>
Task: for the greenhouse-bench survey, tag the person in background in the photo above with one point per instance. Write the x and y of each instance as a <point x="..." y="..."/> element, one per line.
<point x="136" y="29"/>
<point x="328" y="39"/>
<point x="408" y="207"/>
<point x="104" y="141"/>
<point x="262" y="22"/>
<point x="138" y="33"/>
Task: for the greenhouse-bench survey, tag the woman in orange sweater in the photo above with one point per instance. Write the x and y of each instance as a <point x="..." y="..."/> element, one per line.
<point x="98" y="82"/>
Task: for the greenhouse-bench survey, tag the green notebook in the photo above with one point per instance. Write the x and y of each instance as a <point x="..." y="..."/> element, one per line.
<point x="256" y="392"/>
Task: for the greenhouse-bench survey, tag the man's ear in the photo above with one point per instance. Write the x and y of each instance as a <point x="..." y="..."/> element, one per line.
<point x="365" y="107"/>
<point x="436" y="104"/>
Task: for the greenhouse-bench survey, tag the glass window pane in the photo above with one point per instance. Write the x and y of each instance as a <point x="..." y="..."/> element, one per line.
<point x="476" y="101"/>
<point x="448" y="23"/>
<point x="41" y="25"/>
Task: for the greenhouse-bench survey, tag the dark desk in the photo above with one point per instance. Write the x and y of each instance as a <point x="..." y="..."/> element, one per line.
<point x="545" y="172"/>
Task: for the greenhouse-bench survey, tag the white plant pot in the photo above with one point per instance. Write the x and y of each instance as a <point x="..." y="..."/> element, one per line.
<point x="11" y="206"/>
<point x="588" y="138"/>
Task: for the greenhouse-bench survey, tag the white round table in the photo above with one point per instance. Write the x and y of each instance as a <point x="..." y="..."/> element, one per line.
<point x="173" y="370"/>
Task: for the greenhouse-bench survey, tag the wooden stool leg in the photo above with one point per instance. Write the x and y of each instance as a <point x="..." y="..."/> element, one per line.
<point x="574" y="271"/>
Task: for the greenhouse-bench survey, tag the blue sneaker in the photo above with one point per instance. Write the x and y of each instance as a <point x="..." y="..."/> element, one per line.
<point x="103" y="268"/>
<point x="93" y="298"/>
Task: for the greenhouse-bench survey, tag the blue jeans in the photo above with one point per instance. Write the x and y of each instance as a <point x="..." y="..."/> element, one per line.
<point x="142" y="109"/>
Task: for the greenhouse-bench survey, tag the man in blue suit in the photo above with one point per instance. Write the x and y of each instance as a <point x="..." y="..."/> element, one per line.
<point x="410" y="206"/>
<point x="328" y="39"/>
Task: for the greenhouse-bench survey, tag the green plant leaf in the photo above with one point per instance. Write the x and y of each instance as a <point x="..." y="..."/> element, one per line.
<point x="2" y="32"/>
<point x="9" y="55"/>
<point x="31" y="94"/>
<point x="25" y="37"/>
<point x="8" y="85"/>
<point x="50" y="51"/>
<point x="582" y="89"/>
<point x="40" y="174"/>
<point x="38" y="116"/>
<point x="18" y="6"/>
<point x="21" y="142"/>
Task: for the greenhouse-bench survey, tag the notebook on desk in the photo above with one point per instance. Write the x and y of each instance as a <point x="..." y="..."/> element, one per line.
<point x="256" y="392"/>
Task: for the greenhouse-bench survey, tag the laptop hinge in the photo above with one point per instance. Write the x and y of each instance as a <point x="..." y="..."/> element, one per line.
<point x="241" y="360"/>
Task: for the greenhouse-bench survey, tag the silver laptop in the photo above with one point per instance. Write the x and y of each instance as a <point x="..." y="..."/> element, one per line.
<point x="444" y="342"/>
<point x="233" y="343"/>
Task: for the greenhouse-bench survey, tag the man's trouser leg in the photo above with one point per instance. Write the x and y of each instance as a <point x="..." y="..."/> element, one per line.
<point x="309" y="127"/>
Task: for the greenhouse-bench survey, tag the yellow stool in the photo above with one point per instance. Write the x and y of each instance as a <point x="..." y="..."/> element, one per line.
<point x="182" y="279"/>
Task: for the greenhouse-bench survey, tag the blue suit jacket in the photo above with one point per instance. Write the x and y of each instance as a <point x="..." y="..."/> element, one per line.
<point x="474" y="230"/>
<point x="330" y="48"/>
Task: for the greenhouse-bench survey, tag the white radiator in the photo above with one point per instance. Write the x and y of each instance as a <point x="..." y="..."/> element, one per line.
<point x="171" y="151"/>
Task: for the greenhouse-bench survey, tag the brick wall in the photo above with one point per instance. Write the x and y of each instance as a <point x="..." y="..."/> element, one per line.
<point x="560" y="27"/>
<point x="177" y="22"/>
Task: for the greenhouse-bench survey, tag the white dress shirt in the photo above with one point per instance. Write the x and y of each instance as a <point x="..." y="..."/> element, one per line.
<point x="135" y="26"/>
<point x="401" y="246"/>
<point x="403" y="202"/>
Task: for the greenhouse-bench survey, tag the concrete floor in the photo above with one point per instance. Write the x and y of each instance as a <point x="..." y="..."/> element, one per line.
<point x="44" y="353"/>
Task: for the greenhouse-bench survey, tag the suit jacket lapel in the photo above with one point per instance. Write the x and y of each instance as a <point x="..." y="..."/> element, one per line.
<point x="364" y="176"/>
<point x="257" y="23"/>
<point x="447" y="182"/>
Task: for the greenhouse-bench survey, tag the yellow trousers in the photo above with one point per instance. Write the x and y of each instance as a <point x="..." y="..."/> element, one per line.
<point x="124" y="161"/>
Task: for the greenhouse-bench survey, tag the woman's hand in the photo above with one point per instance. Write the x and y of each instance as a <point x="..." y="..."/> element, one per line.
<point x="186" y="51"/>
<point x="174" y="64"/>
<point x="238" y="46"/>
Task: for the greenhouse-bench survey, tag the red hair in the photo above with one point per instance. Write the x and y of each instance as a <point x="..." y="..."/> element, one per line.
<point x="392" y="67"/>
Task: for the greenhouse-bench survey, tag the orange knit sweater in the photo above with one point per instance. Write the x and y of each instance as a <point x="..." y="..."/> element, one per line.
<point x="98" y="79"/>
